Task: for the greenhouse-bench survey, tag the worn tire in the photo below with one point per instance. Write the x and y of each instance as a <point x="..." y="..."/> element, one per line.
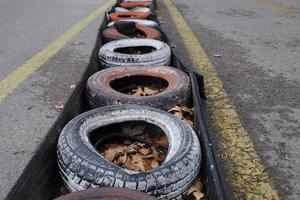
<point x="110" y="58"/>
<point x="106" y="193"/>
<point x="100" y="92"/>
<point x="115" y="16"/>
<point x="120" y="9"/>
<point x="112" y="33"/>
<point x="82" y="167"/>
<point x="135" y="9"/>
<point x="145" y="22"/>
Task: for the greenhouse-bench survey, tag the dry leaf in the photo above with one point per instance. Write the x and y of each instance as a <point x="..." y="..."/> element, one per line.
<point x="198" y="184"/>
<point x="149" y="92"/>
<point x="136" y="156"/>
<point x="138" y="92"/>
<point x="144" y="91"/>
<point x="144" y="151"/>
<point x="136" y="163"/>
<point x="154" y="164"/>
<point x="162" y="141"/>
<point x="111" y="151"/>
<point x="184" y="113"/>
<point x="195" y="191"/>
<point x="121" y="159"/>
<point x="59" y="105"/>
<point x="147" y="163"/>
<point x="180" y="109"/>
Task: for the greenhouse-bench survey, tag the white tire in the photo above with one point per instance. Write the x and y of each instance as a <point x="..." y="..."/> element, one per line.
<point x="135" y="9"/>
<point x="145" y="22"/>
<point x="110" y="58"/>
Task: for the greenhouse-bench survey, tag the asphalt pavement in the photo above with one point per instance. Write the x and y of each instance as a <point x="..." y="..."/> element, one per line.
<point x="254" y="46"/>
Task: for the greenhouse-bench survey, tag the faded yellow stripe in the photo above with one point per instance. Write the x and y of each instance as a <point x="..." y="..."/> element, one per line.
<point x="248" y="173"/>
<point x="11" y="82"/>
<point x="281" y="7"/>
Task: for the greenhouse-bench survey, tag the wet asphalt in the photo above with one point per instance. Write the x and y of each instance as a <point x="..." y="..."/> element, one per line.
<point x="259" y="64"/>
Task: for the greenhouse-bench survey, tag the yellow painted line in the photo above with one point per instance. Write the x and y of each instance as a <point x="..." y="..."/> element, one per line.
<point x="11" y="82"/>
<point x="280" y="7"/>
<point x="246" y="170"/>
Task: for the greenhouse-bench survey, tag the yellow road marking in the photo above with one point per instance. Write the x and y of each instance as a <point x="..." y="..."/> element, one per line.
<point x="281" y="7"/>
<point x="11" y="82"/>
<point x="245" y="167"/>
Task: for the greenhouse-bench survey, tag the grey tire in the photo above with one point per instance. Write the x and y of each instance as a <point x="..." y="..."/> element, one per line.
<point x="82" y="167"/>
<point x="160" y="56"/>
<point x="136" y="9"/>
<point x="100" y="88"/>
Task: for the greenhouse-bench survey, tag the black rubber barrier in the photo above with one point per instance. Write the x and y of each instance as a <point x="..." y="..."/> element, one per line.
<point x="40" y="178"/>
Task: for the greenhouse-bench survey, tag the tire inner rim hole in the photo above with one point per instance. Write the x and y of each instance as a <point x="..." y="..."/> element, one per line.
<point x="140" y="34"/>
<point x="127" y="16"/>
<point x="135" y="50"/>
<point x="133" y="145"/>
<point x="139" y="85"/>
<point x="137" y="34"/>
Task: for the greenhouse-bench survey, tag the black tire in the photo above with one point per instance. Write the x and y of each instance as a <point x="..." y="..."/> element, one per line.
<point x="160" y="56"/>
<point x="102" y="91"/>
<point x="82" y="167"/>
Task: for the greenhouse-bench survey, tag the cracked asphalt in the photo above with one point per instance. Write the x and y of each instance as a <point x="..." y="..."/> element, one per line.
<point x="254" y="46"/>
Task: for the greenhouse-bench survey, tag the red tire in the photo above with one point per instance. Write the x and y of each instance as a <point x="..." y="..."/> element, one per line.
<point x="115" y="16"/>
<point x="111" y="34"/>
<point x="109" y="86"/>
<point x="106" y="193"/>
<point x="129" y="5"/>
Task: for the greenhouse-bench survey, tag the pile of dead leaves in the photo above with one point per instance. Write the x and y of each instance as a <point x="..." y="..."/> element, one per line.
<point x="132" y="155"/>
<point x="145" y="91"/>
<point x="184" y="113"/>
<point x="144" y="153"/>
<point x="195" y="191"/>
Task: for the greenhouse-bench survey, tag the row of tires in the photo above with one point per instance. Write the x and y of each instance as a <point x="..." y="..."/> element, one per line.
<point x="129" y="61"/>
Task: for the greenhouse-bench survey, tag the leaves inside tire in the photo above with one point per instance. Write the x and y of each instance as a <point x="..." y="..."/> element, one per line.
<point x="136" y="155"/>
